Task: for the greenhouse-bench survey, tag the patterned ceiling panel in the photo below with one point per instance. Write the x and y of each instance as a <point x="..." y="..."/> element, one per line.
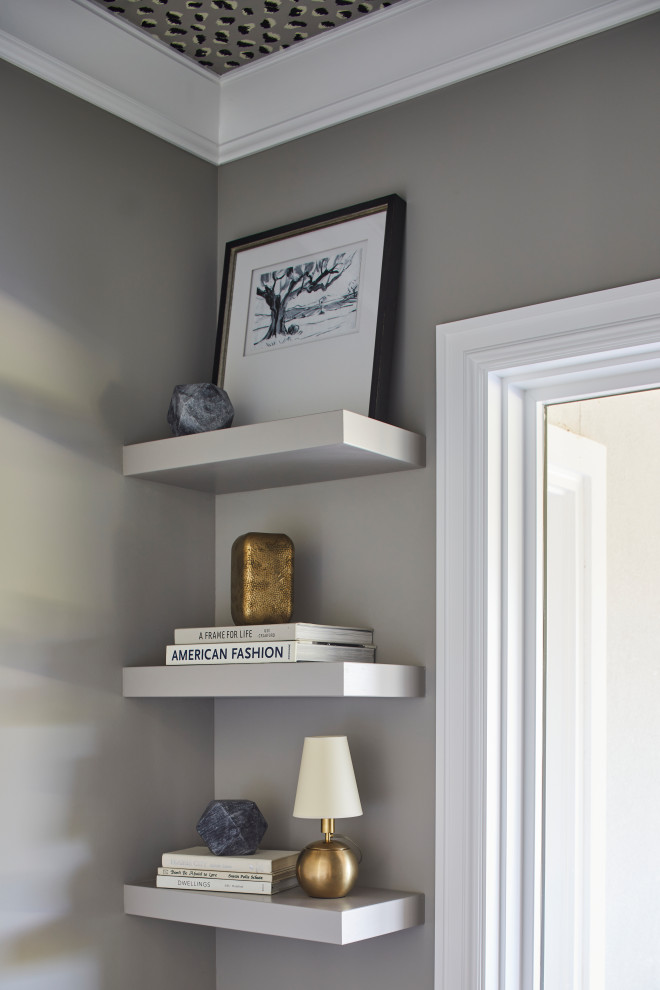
<point x="225" y="34"/>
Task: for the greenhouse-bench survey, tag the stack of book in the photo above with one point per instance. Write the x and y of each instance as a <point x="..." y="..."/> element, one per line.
<point x="289" y="642"/>
<point x="268" y="871"/>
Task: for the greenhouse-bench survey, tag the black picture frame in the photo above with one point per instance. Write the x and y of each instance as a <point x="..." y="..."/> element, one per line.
<point x="329" y="283"/>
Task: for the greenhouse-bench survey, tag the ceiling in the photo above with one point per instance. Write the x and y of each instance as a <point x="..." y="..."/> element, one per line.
<point x="222" y="35"/>
<point x="123" y="60"/>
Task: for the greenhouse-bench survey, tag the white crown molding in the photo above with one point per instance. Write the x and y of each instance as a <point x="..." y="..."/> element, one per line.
<point x="85" y="50"/>
<point x="407" y="50"/>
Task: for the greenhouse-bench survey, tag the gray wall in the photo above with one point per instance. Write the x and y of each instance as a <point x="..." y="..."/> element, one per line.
<point x="107" y="300"/>
<point x="534" y="182"/>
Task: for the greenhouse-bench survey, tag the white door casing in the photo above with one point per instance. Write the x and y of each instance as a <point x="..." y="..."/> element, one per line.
<point x="495" y="373"/>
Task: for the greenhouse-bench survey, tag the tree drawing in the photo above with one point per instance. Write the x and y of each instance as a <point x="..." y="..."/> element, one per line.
<point x="278" y="288"/>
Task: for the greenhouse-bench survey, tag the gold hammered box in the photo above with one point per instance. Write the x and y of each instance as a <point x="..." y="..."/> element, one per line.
<point x="261" y="579"/>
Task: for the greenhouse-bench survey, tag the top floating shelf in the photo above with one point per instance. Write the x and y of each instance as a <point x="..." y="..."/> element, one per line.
<point x="319" y="447"/>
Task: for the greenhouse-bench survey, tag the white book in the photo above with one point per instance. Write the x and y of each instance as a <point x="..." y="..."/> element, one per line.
<point x="226" y="886"/>
<point x="182" y="871"/>
<point x="201" y="858"/>
<point x="288" y="651"/>
<point x="310" y="631"/>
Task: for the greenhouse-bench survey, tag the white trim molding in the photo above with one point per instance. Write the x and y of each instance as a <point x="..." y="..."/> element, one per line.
<point x="390" y="56"/>
<point x="495" y="374"/>
<point x="82" y="49"/>
<point x="405" y="51"/>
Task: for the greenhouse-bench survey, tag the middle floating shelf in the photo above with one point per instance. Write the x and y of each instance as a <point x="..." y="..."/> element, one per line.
<point x="272" y="680"/>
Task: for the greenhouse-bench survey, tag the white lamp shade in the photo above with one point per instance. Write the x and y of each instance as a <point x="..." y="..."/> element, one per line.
<point x="326" y="784"/>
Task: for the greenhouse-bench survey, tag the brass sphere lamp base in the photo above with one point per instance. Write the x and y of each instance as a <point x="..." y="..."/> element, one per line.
<point x="327" y="867"/>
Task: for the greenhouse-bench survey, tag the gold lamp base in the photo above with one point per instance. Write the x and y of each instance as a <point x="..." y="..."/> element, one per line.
<point x="327" y="867"/>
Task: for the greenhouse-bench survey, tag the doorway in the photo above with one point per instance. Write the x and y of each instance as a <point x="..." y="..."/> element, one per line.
<point x="496" y="376"/>
<point x="601" y="815"/>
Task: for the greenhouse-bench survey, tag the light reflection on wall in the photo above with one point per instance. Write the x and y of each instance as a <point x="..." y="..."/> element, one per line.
<point x="59" y="514"/>
<point x="47" y="360"/>
<point x="55" y="566"/>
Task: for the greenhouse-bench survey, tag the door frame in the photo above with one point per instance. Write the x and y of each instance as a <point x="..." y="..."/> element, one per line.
<point x="494" y="374"/>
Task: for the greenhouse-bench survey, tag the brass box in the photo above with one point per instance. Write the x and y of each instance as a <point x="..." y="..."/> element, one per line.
<point x="261" y="579"/>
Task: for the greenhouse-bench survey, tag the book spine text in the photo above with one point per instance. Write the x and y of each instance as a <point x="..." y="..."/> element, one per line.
<point x="223" y="886"/>
<point x="245" y="653"/>
<point x="177" y="871"/>
<point x="192" y="862"/>
<point x="228" y="634"/>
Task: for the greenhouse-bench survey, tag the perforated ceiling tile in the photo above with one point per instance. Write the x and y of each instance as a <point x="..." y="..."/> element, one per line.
<point x="225" y="34"/>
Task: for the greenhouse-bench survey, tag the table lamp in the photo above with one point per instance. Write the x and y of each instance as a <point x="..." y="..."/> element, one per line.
<point x="327" y="790"/>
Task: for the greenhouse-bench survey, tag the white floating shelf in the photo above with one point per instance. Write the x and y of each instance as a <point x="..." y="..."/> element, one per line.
<point x="319" y="447"/>
<point x="365" y="913"/>
<point x="272" y="680"/>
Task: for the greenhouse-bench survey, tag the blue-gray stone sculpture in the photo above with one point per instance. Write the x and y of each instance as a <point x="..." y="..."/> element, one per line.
<point x="232" y="827"/>
<point x="198" y="409"/>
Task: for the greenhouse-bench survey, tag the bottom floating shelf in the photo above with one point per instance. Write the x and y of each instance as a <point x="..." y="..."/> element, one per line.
<point x="366" y="913"/>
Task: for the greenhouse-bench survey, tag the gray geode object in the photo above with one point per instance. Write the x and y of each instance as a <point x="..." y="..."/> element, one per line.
<point x="232" y="827"/>
<point x="198" y="409"/>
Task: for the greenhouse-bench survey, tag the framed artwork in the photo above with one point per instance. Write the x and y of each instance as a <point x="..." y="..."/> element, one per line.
<point x="307" y="315"/>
